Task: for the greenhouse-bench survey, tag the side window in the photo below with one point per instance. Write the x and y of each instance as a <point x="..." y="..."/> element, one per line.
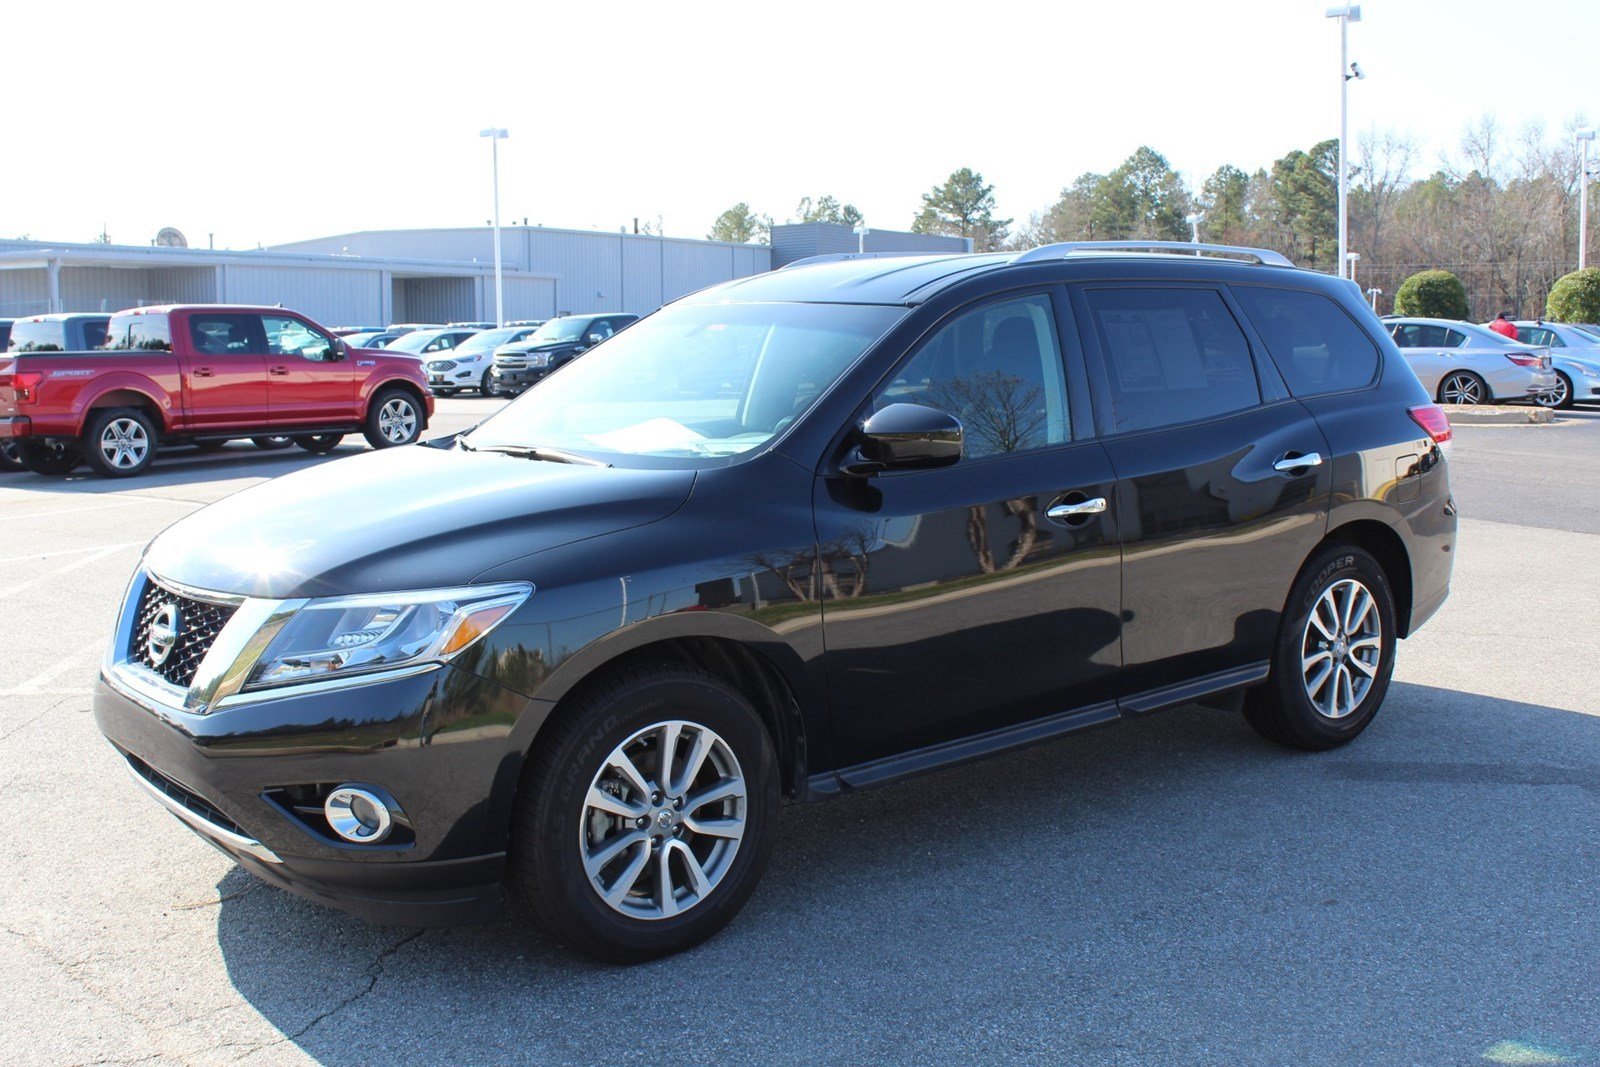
<point x="1172" y="355"/>
<point x="290" y="337"/>
<point x="94" y="334"/>
<point x="998" y="369"/>
<point x="1538" y="335"/>
<point x="214" y="334"/>
<point x="600" y="328"/>
<point x="1315" y="344"/>
<point x="1452" y="338"/>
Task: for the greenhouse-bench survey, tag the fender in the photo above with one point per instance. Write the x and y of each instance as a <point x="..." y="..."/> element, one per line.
<point x="383" y="377"/>
<point x="171" y="408"/>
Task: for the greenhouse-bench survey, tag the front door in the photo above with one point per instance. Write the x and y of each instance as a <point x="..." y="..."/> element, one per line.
<point x="225" y="372"/>
<point x="953" y="603"/>
<point x="1215" y="517"/>
<point x="308" y="384"/>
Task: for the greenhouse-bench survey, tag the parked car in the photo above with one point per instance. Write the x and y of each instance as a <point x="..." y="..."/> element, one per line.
<point x="373" y="338"/>
<point x="5" y="333"/>
<point x="558" y="342"/>
<point x="70" y="332"/>
<point x="572" y="659"/>
<point x="204" y="374"/>
<point x="467" y="365"/>
<point x="346" y="331"/>
<point x="1462" y="363"/>
<point x="476" y="325"/>
<point x="1575" y="357"/>
<point x="426" y="344"/>
<point x="409" y="327"/>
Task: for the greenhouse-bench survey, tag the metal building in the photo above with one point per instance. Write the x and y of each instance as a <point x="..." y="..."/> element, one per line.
<point x="797" y="240"/>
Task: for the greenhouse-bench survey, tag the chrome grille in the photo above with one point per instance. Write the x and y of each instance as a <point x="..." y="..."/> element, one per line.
<point x="199" y="623"/>
<point x="514" y="362"/>
<point x="442" y="365"/>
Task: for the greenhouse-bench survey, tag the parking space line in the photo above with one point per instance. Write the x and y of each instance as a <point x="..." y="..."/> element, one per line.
<point x="40" y="579"/>
<point x="106" y="507"/>
<point x="37" y="683"/>
<point x="66" y="552"/>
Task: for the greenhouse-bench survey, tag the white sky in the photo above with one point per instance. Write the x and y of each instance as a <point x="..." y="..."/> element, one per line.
<point x="273" y="122"/>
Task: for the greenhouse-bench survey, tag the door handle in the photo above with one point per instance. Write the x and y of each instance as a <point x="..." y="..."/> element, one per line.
<point x="201" y="372"/>
<point x="1291" y="463"/>
<point x="278" y="370"/>
<point x="1092" y="506"/>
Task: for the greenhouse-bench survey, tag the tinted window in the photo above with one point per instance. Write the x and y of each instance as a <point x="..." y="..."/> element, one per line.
<point x="94" y="333"/>
<point x="1315" y="344"/>
<point x="997" y="369"/>
<point x="149" y="332"/>
<point x="1173" y="355"/>
<point x="214" y="334"/>
<point x="44" y="335"/>
<point x="1424" y="335"/>
<point x="1538" y="335"/>
<point x="290" y="337"/>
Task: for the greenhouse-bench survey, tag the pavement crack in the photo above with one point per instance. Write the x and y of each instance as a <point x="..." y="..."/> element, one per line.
<point x="374" y="972"/>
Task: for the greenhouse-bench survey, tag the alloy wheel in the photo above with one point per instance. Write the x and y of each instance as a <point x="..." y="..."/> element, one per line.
<point x="663" y="820"/>
<point x="124" y="443"/>
<point x="397" y="421"/>
<point x="1342" y="648"/>
<point x="1555" y="397"/>
<point x="1461" y="389"/>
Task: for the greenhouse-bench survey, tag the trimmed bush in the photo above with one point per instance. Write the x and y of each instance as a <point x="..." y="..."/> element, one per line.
<point x="1432" y="294"/>
<point x="1575" y="297"/>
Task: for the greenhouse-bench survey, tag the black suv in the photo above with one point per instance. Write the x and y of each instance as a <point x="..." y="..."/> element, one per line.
<point x="558" y="342"/>
<point x="798" y="534"/>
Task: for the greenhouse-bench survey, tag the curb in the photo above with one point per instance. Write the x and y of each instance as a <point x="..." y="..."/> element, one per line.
<point x="1486" y="415"/>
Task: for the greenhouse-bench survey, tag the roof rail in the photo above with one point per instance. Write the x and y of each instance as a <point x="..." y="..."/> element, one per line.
<point x="1263" y="256"/>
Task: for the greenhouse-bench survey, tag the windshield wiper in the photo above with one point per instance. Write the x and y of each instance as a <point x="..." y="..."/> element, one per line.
<point x="549" y="455"/>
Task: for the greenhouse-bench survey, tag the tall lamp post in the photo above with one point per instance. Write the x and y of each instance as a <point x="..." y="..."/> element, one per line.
<point x="861" y="232"/>
<point x="1583" y="138"/>
<point x="1346" y="14"/>
<point x="1194" y="222"/>
<point x="496" y="135"/>
<point x="1372" y="295"/>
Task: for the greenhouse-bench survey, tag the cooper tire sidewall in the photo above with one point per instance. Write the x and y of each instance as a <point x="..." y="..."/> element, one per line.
<point x="1342" y="563"/>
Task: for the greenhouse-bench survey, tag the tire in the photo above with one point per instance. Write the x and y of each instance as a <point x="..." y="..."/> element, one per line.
<point x="1560" y="398"/>
<point x="1457" y="386"/>
<point x="555" y="825"/>
<point x="393" y="418"/>
<point x="1289" y="708"/>
<point x="272" y="444"/>
<point x="51" y="459"/>
<point x="319" y="444"/>
<point x="489" y="385"/>
<point x="11" y="457"/>
<point x="444" y="392"/>
<point x="120" y="442"/>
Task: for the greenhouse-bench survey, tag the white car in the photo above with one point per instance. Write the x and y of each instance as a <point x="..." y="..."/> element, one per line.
<point x="1461" y="363"/>
<point x="467" y="365"/>
<point x="1575" y="355"/>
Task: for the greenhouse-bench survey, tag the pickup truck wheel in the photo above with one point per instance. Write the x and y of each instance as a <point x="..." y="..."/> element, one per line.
<point x="120" y="442"/>
<point x="393" y="418"/>
<point x="50" y="458"/>
<point x="490" y="385"/>
<point x="319" y="444"/>
<point x="271" y="444"/>
<point x="11" y="457"/>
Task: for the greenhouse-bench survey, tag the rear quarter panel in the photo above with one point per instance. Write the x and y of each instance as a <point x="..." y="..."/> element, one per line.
<point x="76" y="382"/>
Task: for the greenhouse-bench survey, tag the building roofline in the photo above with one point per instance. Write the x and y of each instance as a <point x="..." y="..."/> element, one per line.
<point x="38" y="254"/>
<point x="520" y="228"/>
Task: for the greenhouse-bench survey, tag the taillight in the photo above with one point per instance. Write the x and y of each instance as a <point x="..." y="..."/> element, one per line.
<point x="25" y="383"/>
<point x="1536" y="362"/>
<point x="1434" y="422"/>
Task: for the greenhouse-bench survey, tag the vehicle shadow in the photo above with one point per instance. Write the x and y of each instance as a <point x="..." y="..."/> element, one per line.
<point x="183" y="466"/>
<point x="1171" y="889"/>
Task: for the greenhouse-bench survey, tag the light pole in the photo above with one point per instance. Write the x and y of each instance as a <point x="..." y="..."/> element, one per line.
<point x="1346" y="14"/>
<point x="1583" y="137"/>
<point x="1194" y="222"/>
<point x="861" y="238"/>
<point x="1351" y="258"/>
<point x="1372" y="295"/>
<point x="496" y="135"/>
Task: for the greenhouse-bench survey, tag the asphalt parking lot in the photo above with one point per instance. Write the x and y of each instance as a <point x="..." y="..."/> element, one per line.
<point x="1169" y="890"/>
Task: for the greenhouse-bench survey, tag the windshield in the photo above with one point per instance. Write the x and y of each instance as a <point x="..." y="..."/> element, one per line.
<point x="1588" y="333"/>
<point x="413" y="342"/>
<point x="46" y="335"/>
<point x="567" y="329"/>
<point x="362" y="339"/>
<point x="692" y="380"/>
<point x="489" y="340"/>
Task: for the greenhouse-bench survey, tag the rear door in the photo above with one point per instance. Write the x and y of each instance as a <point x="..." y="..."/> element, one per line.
<point x="308" y="383"/>
<point x="224" y="368"/>
<point x="954" y="603"/>
<point x="1214" y="517"/>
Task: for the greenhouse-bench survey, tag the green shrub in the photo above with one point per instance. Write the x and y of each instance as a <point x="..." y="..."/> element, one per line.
<point x="1575" y="297"/>
<point x="1432" y="294"/>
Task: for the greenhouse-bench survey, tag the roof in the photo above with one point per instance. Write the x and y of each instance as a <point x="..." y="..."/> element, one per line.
<point x="871" y="278"/>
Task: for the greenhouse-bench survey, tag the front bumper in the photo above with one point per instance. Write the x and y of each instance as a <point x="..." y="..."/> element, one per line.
<point x="16" y="426"/>
<point x="516" y="380"/>
<point x="222" y="775"/>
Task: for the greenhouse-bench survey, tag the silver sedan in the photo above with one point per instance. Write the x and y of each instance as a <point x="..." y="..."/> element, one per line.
<point x="1575" y="355"/>
<point x="1460" y="363"/>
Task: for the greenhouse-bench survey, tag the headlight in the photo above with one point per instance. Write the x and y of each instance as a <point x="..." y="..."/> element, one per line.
<point x="538" y="359"/>
<point x="341" y="636"/>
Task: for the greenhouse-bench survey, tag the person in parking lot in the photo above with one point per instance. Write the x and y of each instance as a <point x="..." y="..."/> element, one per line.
<point x="1503" y="325"/>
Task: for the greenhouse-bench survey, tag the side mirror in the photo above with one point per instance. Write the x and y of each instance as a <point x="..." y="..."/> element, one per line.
<point x="904" y="437"/>
<point x="593" y="339"/>
<point x="339" y="351"/>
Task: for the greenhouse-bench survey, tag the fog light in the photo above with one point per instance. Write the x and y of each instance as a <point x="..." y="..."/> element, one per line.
<point x="358" y="815"/>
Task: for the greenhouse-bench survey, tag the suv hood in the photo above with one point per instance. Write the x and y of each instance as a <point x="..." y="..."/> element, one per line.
<point x="520" y="347"/>
<point x="404" y="518"/>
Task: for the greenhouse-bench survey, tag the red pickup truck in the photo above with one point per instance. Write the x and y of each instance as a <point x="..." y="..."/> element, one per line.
<point x="202" y="375"/>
